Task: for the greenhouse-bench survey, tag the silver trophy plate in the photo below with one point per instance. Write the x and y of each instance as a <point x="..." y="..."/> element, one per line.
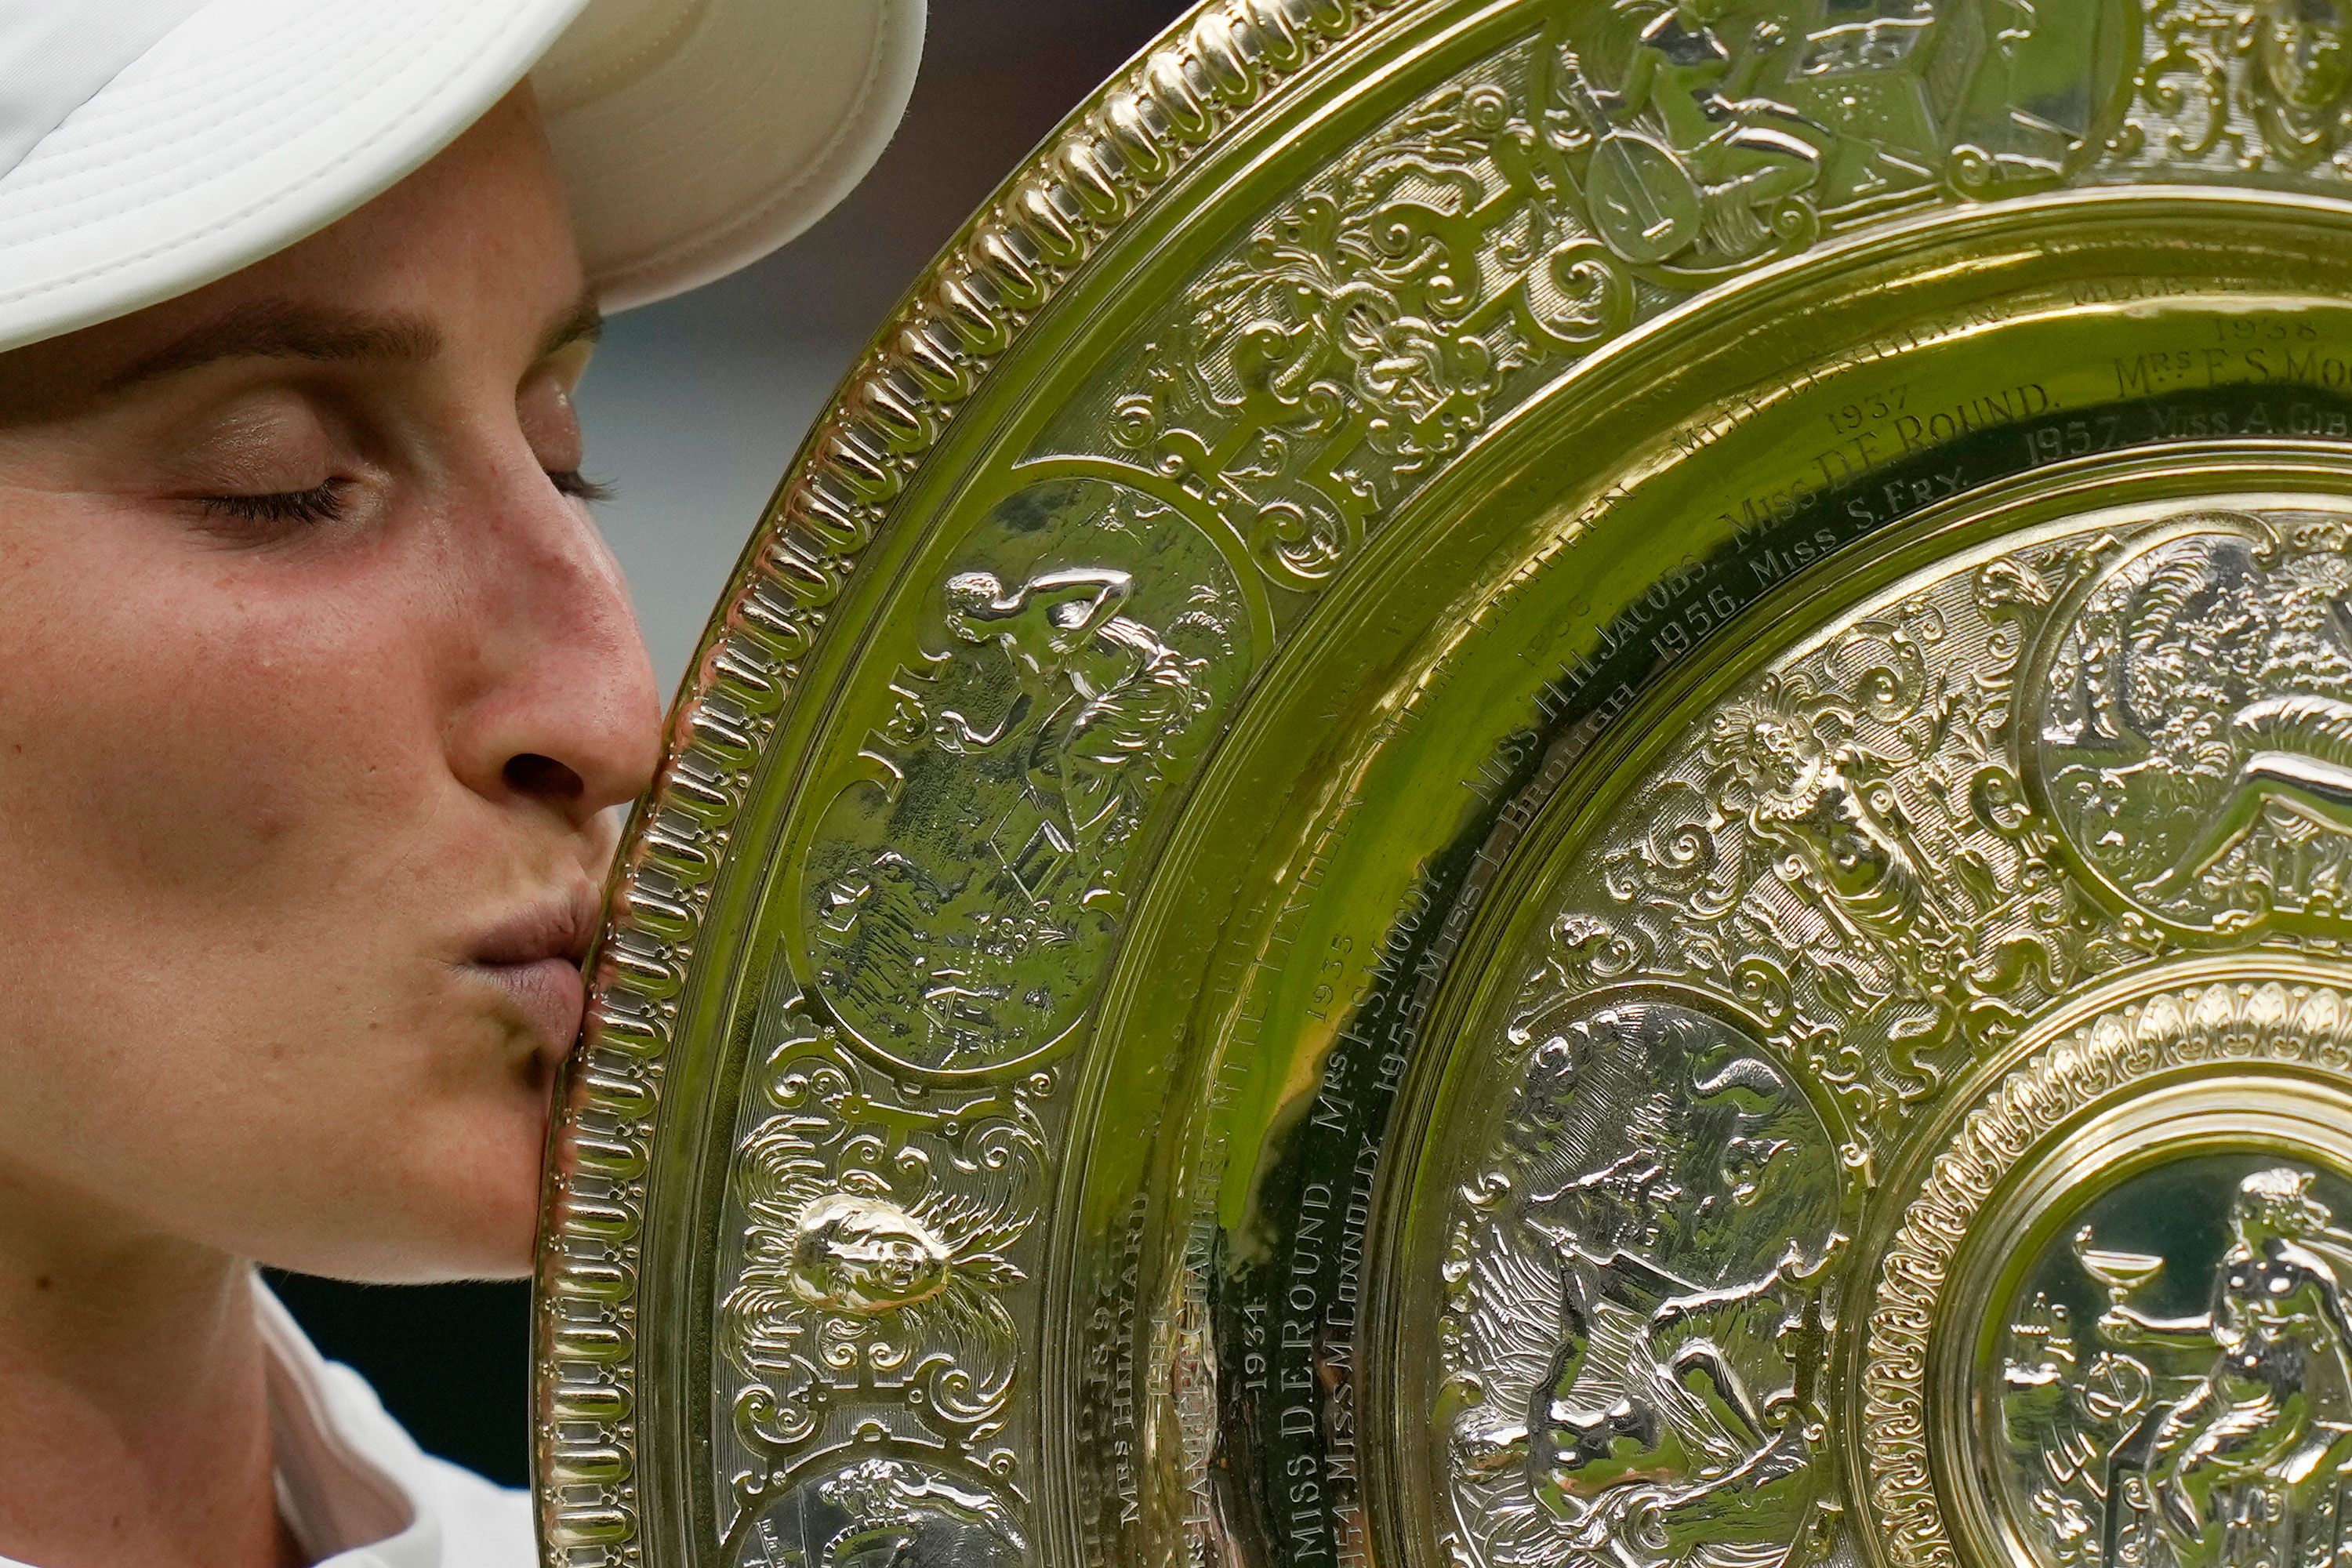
<point x="1526" y="783"/>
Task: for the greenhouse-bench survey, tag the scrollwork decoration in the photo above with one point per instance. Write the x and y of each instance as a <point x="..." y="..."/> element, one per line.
<point x="875" y="1255"/>
<point x="2211" y="1026"/>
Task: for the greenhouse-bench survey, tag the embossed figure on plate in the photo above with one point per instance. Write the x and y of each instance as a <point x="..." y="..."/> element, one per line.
<point x="2175" y="1386"/>
<point x="965" y="878"/>
<point x="1539" y="206"/>
<point x="1724" y="174"/>
<point x="1636" y="1307"/>
<point x="1847" y="847"/>
<point x="866" y="1267"/>
<point x="1723" y="128"/>
<point x="883" y="1513"/>
<point x="1839" y="876"/>
<point x="2195" y="736"/>
<point x="1314" y="616"/>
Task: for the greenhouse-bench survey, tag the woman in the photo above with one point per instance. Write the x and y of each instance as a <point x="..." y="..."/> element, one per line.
<point x="322" y="690"/>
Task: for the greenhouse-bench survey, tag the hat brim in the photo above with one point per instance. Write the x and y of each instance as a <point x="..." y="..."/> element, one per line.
<point x="686" y="161"/>
<point x="257" y="122"/>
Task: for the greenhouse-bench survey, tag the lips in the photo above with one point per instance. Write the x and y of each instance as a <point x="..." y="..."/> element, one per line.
<point x="533" y="957"/>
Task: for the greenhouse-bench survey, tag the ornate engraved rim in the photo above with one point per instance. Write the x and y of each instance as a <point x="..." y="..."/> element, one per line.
<point x="1088" y="181"/>
<point x="1088" y="185"/>
<point x="2166" y="1024"/>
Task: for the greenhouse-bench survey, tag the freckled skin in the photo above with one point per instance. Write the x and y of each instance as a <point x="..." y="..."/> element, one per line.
<point x="256" y="786"/>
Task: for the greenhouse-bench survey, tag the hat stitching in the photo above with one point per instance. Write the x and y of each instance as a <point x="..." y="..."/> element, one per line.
<point x="131" y="174"/>
<point x="79" y="170"/>
<point x="116" y="264"/>
<point x="667" y="270"/>
<point x="131" y="192"/>
<point x="631" y="63"/>
<point x="45" y="152"/>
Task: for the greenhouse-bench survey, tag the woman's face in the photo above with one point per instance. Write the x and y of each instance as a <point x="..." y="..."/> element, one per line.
<point x="319" y="686"/>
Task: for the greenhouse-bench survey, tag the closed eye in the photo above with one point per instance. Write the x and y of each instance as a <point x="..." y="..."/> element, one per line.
<point x="328" y="502"/>
<point x="573" y="483"/>
<point x="287" y="509"/>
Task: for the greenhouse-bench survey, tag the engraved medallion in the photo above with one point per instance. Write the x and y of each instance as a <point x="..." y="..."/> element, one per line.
<point x="1527" y="782"/>
<point x="2216" y="798"/>
<point x="2174" y="1380"/>
<point x="1623" y="1375"/>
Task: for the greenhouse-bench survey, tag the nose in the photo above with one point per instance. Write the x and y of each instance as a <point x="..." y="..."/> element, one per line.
<point x="559" y="709"/>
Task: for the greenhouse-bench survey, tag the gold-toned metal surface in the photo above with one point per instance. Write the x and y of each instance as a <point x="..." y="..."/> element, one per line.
<point x="1527" y="781"/>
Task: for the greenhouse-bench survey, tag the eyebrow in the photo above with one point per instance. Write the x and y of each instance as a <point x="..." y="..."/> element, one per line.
<point x="583" y="323"/>
<point x="282" y="329"/>
<point x="278" y="328"/>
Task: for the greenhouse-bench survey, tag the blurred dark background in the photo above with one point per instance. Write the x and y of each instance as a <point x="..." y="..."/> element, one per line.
<point x="693" y="408"/>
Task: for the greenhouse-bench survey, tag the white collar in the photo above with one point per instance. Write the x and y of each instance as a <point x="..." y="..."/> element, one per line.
<point x="334" y="1486"/>
<point x="354" y="1488"/>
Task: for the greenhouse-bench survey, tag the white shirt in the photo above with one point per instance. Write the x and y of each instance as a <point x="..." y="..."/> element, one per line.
<point x="355" y="1489"/>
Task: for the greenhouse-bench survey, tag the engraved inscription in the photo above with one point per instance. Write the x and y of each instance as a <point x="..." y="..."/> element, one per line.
<point x="1847" y="849"/>
<point x="1859" y="870"/>
<point x="1538" y="206"/>
<point x="1637" y="1301"/>
<point x="2194" y="731"/>
<point x="1865" y="871"/>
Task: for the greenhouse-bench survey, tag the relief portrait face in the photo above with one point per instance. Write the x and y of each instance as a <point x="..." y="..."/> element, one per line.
<point x="320" y="686"/>
<point x="863" y="1255"/>
<point x="2303" y="51"/>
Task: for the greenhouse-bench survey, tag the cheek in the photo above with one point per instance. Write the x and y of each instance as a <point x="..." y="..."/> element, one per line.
<point x="196" y="725"/>
<point x="233" y="842"/>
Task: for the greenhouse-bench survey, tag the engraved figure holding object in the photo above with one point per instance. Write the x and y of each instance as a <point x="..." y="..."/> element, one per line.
<point x="2273" y="1415"/>
<point x="1648" y="1398"/>
<point x="1094" y="689"/>
<point x="1744" y="156"/>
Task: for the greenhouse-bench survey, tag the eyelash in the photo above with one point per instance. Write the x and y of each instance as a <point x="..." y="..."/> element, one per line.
<point x="292" y="509"/>
<point x="578" y="485"/>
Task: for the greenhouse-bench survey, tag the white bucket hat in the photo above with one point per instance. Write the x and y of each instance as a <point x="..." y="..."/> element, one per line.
<point x="148" y="147"/>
